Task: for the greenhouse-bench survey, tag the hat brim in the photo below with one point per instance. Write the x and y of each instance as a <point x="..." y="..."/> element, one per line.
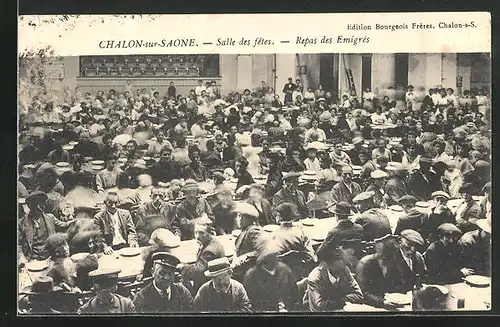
<point x="165" y="264"/>
<point x="216" y="273"/>
<point x="484" y="225"/>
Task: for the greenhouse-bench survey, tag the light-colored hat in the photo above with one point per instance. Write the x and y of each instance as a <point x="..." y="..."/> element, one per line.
<point x="190" y="185"/>
<point x="217" y="267"/>
<point x="396" y="166"/>
<point x="357" y="140"/>
<point x="440" y="194"/>
<point x="246" y="209"/>
<point x="164" y="238"/>
<point x="364" y="196"/>
<point x="413" y="236"/>
<point x="346" y="169"/>
<point x="484" y="224"/>
<point x="377" y="174"/>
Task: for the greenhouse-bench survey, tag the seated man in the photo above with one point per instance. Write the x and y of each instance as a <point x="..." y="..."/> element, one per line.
<point x="221" y="293"/>
<point x="346" y="189"/>
<point x="155" y="214"/>
<point x="476" y="249"/>
<point x="440" y="214"/>
<point x="210" y="249"/>
<point x="271" y="284"/>
<point x="331" y="284"/>
<point x="106" y="300"/>
<point x="373" y="220"/>
<point x="413" y="218"/>
<point x="162" y="240"/>
<point x="443" y="257"/>
<point x="290" y="193"/>
<point x="116" y="225"/>
<point x="162" y="294"/>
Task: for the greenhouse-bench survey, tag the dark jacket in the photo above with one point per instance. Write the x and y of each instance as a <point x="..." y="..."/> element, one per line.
<point x="340" y="192"/>
<point x="187" y="212"/>
<point x="148" y="219"/>
<point x="248" y="240"/>
<point x="299" y="199"/>
<point x="472" y="212"/>
<point x="244" y="179"/>
<point x="265" y="290"/>
<point x="443" y="263"/>
<point x="105" y="223"/>
<point x="345" y="230"/>
<point x="375" y="224"/>
<point x="430" y="225"/>
<point x="120" y="304"/>
<point x="195" y="271"/>
<point x="322" y="295"/>
<point x="235" y="300"/>
<point x="225" y="218"/>
<point x="395" y="188"/>
<point x="476" y="252"/>
<point x="378" y="197"/>
<point x="267" y="215"/>
<point x="422" y="188"/>
<point x="148" y="300"/>
<point x="413" y="219"/>
<point x="291" y="238"/>
<point x="27" y="233"/>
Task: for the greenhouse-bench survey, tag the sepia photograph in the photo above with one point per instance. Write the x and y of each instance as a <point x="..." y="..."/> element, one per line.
<point x="254" y="183"/>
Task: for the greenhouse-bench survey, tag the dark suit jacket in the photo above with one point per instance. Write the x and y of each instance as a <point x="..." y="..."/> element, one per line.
<point x="148" y="300"/>
<point x="244" y="179"/>
<point x="378" y="197"/>
<point x="26" y="232"/>
<point x="195" y="272"/>
<point x="375" y="224"/>
<point x="471" y="213"/>
<point x="476" y="252"/>
<point x="299" y="199"/>
<point x="248" y="240"/>
<point x="421" y="188"/>
<point x="105" y="223"/>
<point x="414" y="219"/>
<point x="322" y="295"/>
<point x="345" y="230"/>
<point x="267" y="215"/>
<point x="340" y="192"/>
<point x="430" y="225"/>
<point x="443" y="263"/>
<point x="395" y="188"/>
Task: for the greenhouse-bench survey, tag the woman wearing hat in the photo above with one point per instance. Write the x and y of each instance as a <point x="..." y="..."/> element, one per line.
<point x="469" y="211"/>
<point x="244" y="177"/>
<point x="443" y="257"/>
<point x="246" y="244"/>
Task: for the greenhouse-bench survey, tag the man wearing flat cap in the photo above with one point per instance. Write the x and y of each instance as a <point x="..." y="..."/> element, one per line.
<point x="106" y="300"/>
<point x="373" y="220"/>
<point x="440" y="214"/>
<point x="291" y="193"/>
<point x="469" y="211"/>
<point x="221" y="293"/>
<point x="35" y="228"/>
<point x="413" y="218"/>
<point x="396" y="185"/>
<point x="409" y="263"/>
<point x="163" y="294"/>
<point x="346" y="189"/>
<point x="443" y="257"/>
<point x="424" y="181"/>
<point x="377" y="186"/>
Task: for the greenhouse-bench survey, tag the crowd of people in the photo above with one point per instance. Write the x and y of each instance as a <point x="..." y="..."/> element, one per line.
<point x="272" y="160"/>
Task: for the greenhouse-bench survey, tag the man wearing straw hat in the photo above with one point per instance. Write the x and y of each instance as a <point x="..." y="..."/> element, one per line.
<point x="346" y="189"/>
<point x="192" y="209"/>
<point x="163" y="294"/>
<point x="396" y="186"/>
<point x="221" y="293"/>
<point x="476" y="249"/>
<point x="377" y="186"/>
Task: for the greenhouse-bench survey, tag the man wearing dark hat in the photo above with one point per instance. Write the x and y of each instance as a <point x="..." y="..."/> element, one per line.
<point x="346" y="189"/>
<point x="291" y="193"/>
<point x="210" y="249"/>
<point x="163" y="294"/>
<point x="331" y="284"/>
<point x="106" y="300"/>
<point x="221" y="293"/>
<point x="271" y="284"/>
<point x="116" y="225"/>
<point x="373" y="220"/>
<point x="424" y="181"/>
<point x="345" y="230"/>
<point x="443" y="257"/>
<point x="155" y="214"/>
<point x="476" y="249"/>
<point x="35" y="228"/>
<point x="469" y="211"/>
<point x="413" y="218"/>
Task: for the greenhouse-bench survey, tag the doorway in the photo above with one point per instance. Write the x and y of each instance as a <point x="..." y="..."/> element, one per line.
<point x="401" y="66"/>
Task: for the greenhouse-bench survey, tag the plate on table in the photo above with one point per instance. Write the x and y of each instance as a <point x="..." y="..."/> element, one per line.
<point x="443" y="289"/>
<point x="270" y="228"/>
<point x="97" y="162"/>
<point x="36" y="265"/>
<point x="478" y="281"/>
<point x="396" y="208"/>
<point x="477" y="197"/>
<point x="122" y="160"/>
<point x="130" y="252"/>
<point x="399" y="298"/>
<point x="79" y="256"/>
<point x="422" y="204"/>
<point x="62" y="164"/>
<point x="73" y="143"/>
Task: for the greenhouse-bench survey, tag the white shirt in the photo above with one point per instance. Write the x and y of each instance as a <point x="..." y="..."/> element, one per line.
<point x="378" y="119"/>
<point x="332" y="278"/>
<point x="321" y="134"/>
<point x="199" y="88"/>
<point x="117" y="237"/>
<point x="162" y="293"/>
<point x="312" y="164"/>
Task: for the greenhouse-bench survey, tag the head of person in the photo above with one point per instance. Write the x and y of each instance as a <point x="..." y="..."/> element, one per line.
<point x="105" y="282"/>
<point x="386" y="247"/>
<point x="336" y="261"/>
<point x="163" y="270"/>
<point x="407" y="202"/>
<point x="338" y="147"/>
<point x="487" y="190"/>
<point x="95" y="242"/>
<point x="246" y="215"/>
<point x="312" y="153"/>
<point x="410" y="241"/>
<point x="111" y="201"/>
<point x="166" y="154"/>
<point x="131" y="147"/>
<point x="466" y="191"/>
<point x="37" y="202"/>
<point x="191" y="190"/>
<point x="287" y="211"/>
<point x="346" y="174"/>
<point x="364" y="201"/>
<point x="291" y="181"/>
<point x="203" y="233"/>
<point x="194" y="154"/>
<point x="57" y="246"/>
<point x="363" y="156"/>
<point x="256" y="192"/>
<point x="241" y="165"/>
<point x="157" y="195"/>
<point x="381" y="144"/>
<point x="219" y="270"/>
<point x="378" y="177"/>
<point x="448" y="234"/>
<point x="342" y="210"/>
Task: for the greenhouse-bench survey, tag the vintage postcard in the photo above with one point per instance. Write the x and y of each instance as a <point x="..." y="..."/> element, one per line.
<point x="254" y="163"/>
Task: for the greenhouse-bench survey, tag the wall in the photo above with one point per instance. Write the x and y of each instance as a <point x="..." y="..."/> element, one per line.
<point x="262" y="69"/>
<point x="353" y="62"/>
<point x="449" y="70"/>
<point x="228" y="72"/>
<point x="383" y="71"/>
<point x="312" y="62"/>
<point x="417" y="66"/>
<point x="286" y="66"/>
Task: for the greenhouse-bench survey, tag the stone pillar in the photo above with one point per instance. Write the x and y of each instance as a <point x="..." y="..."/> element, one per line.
<point x="262" y="69"/>
<point x="228" y="66"/>
<point x="286" y="66"/>
<point x="449" y="69"/>
<point x="244" y="76"/>
<point x="383" y="71"/>
<point x="433" y="70"/>
<point x="417" y="69"/>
